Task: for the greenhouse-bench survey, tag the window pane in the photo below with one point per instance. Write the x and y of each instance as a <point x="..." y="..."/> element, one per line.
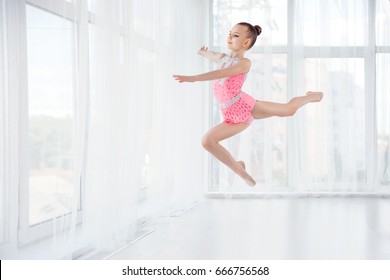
<point x="92" y="6"/>
<point x="269" y="137"/>
<point x="335" y="131"/>
<point x="332" y="23"/>
<point x="270" y="15"/>
<point x="383" y="117"/>
<point x="382" y="22"/>
<point x="51" y="116"/>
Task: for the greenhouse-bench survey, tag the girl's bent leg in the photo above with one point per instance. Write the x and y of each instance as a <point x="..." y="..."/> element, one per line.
<point x="264" y="109"/>
<point x="211" y="143"/>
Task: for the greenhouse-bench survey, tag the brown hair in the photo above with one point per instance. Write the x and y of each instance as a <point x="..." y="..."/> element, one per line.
<point x="253" y="32"/>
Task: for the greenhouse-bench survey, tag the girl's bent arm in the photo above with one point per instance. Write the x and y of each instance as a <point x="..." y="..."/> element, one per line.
<point x="210" y="55"/>
<point x="242" y="66"/>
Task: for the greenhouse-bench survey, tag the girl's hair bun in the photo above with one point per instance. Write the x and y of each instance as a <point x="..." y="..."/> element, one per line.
<point x="253" y="32"/>
<point x="258" y="29"/>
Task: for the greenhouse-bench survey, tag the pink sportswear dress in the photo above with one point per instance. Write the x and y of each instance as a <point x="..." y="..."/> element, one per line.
<point x="236" y="106"/>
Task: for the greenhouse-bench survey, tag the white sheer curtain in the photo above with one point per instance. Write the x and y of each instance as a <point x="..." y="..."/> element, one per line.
<point x="331" y="46"/>
<point x="145" y="130"/>
<point x="127" y="149"/>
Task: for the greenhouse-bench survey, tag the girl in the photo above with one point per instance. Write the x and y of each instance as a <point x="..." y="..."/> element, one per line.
<point x="238" y="108"/>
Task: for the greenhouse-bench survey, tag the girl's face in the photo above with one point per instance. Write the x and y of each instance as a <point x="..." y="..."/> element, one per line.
<point x="237" y="38"/>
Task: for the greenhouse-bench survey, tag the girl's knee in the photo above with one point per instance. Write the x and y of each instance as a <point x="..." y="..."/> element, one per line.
<point x="208" y="142"/>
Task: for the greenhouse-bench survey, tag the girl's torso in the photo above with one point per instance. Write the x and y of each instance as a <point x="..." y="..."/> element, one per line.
<point x="227" y="88"/>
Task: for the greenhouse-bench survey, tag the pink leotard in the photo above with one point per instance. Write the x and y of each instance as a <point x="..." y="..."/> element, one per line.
<point x="236" y="106"/>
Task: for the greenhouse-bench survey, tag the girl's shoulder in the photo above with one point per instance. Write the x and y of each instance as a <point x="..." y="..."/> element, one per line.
<point x="247" y="60"/>
<point x="245" y="63"/>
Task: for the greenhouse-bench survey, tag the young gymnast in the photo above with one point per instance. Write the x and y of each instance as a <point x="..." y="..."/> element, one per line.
<point x="238" y="108"/>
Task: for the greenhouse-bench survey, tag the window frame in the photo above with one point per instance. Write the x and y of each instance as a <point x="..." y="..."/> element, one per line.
<point x="27" y="233"/>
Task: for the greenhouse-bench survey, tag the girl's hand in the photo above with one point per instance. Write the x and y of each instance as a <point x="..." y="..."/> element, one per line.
<point x="202" y="49"/>
<point x="210" y="55"/>
<point x="182" y="79"/>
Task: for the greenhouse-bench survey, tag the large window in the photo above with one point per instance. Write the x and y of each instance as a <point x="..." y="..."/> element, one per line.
<point x="341" y="48"/>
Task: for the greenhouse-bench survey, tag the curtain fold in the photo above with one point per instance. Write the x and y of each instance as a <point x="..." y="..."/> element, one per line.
<point x="144" y="158"/>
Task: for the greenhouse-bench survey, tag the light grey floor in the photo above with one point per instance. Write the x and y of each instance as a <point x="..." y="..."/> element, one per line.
<point x="273" y="229"/>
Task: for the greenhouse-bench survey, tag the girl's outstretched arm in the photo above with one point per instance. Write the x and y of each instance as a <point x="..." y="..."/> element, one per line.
<point x="242" y="66"/>
<point x="210" y="55"/>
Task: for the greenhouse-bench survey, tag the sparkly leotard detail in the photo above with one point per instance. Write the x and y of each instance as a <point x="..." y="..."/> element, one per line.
<point x="236" y="106"/>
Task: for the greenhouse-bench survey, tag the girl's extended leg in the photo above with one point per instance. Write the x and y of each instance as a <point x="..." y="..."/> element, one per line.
<point x="265" y="109"/>
<point x="211" y="143"/>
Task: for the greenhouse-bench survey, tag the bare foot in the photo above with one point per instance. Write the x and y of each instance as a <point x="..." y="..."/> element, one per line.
<point x="248" y="179"/>
<point x="242" y="164"/>
<point x="316" y="96"/>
